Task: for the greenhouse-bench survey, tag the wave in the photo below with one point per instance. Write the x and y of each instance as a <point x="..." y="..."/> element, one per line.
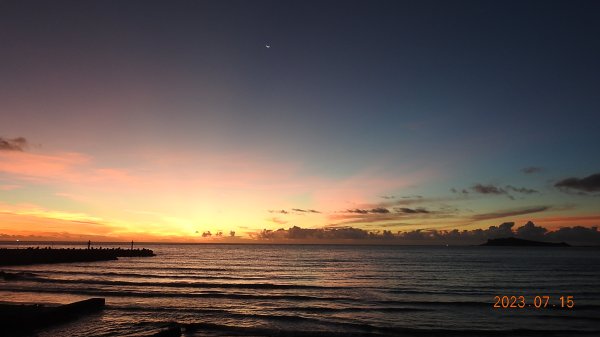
<point x="433" y="303"/>
<point x="469" y="304"/>
<point x="367" y="330"/>
<point x="220" y="313"/>
<point x="164" y="267"/>
<point x="440" y="292"/>
<point x="304" y="309"/>
<point x="572" y="318"/>
<point x="146" y="294"/>
<point x="351" y="309"/>
<point x="181" y="284"/>
<point x="146" y="275"/>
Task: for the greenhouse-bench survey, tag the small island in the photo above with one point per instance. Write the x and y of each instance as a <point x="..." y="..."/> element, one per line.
<point x="516" y="242"/>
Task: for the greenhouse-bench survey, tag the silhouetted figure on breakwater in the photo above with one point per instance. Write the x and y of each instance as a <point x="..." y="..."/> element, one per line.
<point x="89" y="244"/>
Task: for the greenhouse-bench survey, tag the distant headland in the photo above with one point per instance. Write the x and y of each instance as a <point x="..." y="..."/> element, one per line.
<point x="515" y="242"/>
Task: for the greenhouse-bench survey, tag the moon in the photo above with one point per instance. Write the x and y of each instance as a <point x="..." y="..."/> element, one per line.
<point x="268" y="46"/>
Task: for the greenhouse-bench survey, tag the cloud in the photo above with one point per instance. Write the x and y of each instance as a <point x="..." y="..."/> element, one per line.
<point x="15" y="144"/>
<point x="504" y="230"/>
<point x="388" y="197"/>
<point x="588" y="184"/>
<point x="396" y="216"/>
<point x="412" y="210"/>
<point x="522" y="190"/>
<point x="487" y="189"/>
<point x="574" y="235"/>
<point x="277" y="220"/>
<point x="577" y="234"/>
<point x="316" y="234"/>
<point x="61" y="168"/>
<point x="406" y="201"/>
<point x="531" y="232"/>
<point x="497" y="190"/>
<point x="363" y="219"/>
<point x="532" y="169"/>
<point x="510" y="212"/>
<point x="358" y="211"/>
<point x="300" y="210"/>
<point x="29" y="217"/>
<point x="295" y="210"/>
<point x="378" y="210"/>
<point x="456" y="191"/>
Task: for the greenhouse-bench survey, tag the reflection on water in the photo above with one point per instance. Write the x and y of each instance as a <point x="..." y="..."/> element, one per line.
<point x="242" y="289"/>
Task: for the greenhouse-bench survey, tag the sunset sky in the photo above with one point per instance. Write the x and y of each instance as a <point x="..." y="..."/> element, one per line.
<point x="160" y="120"/>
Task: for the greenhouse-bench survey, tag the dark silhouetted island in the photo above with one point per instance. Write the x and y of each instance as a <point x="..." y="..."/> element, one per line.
<point x="12" y="257"/>
<point x="515" y="242"/>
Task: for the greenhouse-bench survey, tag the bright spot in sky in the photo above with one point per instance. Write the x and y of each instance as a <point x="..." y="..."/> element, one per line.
<point x="268" y="46"/>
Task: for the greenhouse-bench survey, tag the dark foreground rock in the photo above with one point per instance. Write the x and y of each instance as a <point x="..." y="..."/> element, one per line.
<point x="515" y="242"/>
<point x="17" y="319"/>
<point x="12" y="257"/>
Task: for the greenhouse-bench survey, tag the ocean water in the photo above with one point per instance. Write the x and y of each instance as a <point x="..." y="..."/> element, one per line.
<point x="325" y="290"/>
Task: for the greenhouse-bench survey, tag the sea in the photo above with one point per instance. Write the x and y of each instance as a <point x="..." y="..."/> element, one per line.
<point x="325" y="290"/>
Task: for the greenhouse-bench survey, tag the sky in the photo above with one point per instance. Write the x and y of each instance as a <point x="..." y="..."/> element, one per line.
<point x="166" y="120"/>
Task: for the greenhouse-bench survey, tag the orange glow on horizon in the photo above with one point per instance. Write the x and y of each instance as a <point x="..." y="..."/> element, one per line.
<point x="177" y="197"/>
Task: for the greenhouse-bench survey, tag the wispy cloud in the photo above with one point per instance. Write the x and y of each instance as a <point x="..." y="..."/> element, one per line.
<point x="509" y="212"/>
<point x="378" y="210"/>
<point x="386" y="217"/>
<point x="487" y="189"/>
<point x="408" y="201"/>
<point x="490" y="189"/>
<point x="14" y="144"/>
<point x="407" y="210"/>
<point x="70" y="168"/>
<point x="281" y="211"/>
<point x="277" y="220"/>
<point x="456" y="191"/>
<point x="27" y="217"/>
<point x="532" y="169"/>
<point x="522" y="190"/>
<point x="300" y="210"/>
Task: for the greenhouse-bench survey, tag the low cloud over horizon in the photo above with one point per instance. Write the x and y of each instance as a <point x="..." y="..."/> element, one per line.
<point x="576" y="235"/>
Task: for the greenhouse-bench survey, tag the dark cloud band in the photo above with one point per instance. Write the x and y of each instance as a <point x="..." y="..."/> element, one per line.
<point x="573" y="235"/>
<point x="588" y="184"/>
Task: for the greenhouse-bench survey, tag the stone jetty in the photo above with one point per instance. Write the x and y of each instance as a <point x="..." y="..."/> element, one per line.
<point x="24" y="256"/>
<point x="23" y="319"/>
